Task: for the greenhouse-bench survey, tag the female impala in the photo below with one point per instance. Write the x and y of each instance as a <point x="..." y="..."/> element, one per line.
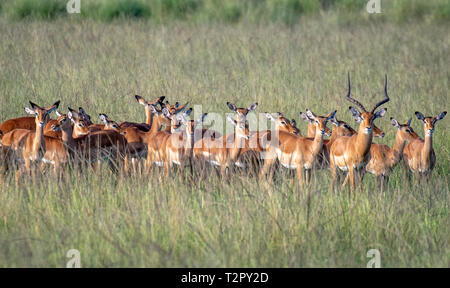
<point x="296" y="152"/>
<point x="224" y="151"/>
<point x="148" y="114"/>
<point x="30" y="144"/>
<point x="383" y="158"/>
<point x="259" y="141"/>
<point x="350" y="153"/>
<point x="311" y="133"/>
<point x="178" y="145"/>
<point x="418" y="155"/>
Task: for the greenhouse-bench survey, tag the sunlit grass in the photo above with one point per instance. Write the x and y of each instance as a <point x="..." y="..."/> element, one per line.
<point x="152" y="221"/>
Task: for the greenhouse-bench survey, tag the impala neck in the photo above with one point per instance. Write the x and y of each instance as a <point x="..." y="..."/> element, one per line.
<point x="363" y="141"/>
<point x="398" y="147"/>
<point x="148" y="116"/>
<point x="67" y="137"/>
<point x="318" y="142"/>
<point x="311" y="130"/>
<point x="156" y="124"/>
<point x="427" y="147"/>
<point x="38" y="142"/>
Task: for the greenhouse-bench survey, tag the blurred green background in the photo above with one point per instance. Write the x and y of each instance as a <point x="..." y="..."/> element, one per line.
<point x="230" y="11"/>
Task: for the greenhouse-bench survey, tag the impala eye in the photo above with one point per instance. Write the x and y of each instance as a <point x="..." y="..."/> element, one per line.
<point x="282" y="122"/>
<point x="80" y="125"/>
<point x="115" y="126"/>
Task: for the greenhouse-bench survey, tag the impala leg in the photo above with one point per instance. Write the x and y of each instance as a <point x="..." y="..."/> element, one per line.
<point x="333" y="174"/>
<point x="308" y="176"/>
<point x="351" y="175"/>
<point x="300" y="172"/>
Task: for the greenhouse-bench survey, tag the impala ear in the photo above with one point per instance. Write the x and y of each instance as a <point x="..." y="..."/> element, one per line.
<point x="187" y="112"/>
<point x="140" y="100"/>
<point x="153" y="109"/>
<point x="270" y="116"/>
<point x="160" y="99"/>
<point x="293" y="122"/>
<point x="103" y="118"/>
<point x="70" y="115"/>
<point x="200" y="120"/>
<point x="310" y="115"/>
<point x="166" y="112"/>
<point x="57" y="113"/>
<point x="177" y="104"/>
<point x="305" y="117"/>
<point x="380" y="113"/>
<point x="356" y="114"/>
<point x="395" y="123"/>
<point x="331" y="115"/>
<point x="419" y="115"/>
<point x="231" y="106"/>
<point x="441" y="116"/>
<point x="30" y="111"/>
<point x="53" y="107"/>
<point x="253" y="106"/>
<point x="231" y="120"/>
<point x="408" y="122"/>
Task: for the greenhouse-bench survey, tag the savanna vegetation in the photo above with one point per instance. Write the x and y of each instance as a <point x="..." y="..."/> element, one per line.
<point x="114" y="220"/>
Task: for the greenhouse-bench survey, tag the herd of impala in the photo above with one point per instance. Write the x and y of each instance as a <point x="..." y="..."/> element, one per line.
<point x="169" y="138"/>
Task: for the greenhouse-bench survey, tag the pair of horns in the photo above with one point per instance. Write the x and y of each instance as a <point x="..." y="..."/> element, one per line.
<point x="356" y="102"/>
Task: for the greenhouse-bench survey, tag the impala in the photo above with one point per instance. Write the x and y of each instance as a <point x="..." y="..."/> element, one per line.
<point x="255" y="148"/>
<point x="383" y="158"/>
<point x="295" y="152"/>
<point x="177" y="147"/>
<point x="148" y="113"/>
<point x="311" y="133"/>
<point x="350" y="153"/>
<point x="418" y="155"/>
<point x="225" y="150"/>
<point x="30" y="144"/>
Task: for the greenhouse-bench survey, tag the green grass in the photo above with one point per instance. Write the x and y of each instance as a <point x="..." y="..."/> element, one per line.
<point x="254" y="11"/>
<point x="152" y="221"/>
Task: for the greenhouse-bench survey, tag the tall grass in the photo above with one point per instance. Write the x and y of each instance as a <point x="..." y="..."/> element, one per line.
<point x="231" y="11"/>
<point x="152" y="221"/>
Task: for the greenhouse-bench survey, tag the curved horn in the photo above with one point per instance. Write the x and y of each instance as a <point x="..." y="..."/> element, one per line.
<point x="349" y="98"/>
<point x="385" y="94"/>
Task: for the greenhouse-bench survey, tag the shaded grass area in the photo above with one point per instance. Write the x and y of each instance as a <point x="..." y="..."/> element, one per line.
<point x="151" y="221"/>
<point x="252" y="11"/>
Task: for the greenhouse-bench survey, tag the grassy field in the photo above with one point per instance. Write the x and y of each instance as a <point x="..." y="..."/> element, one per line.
<point x="157" y="222"/>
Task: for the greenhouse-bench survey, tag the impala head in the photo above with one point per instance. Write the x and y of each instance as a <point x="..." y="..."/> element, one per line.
<point x="404" y="131"/>
<point x="146" y="103"/>
<point x="84" y="116"/>
<point x="176" y="118"/>
<point x="241" y="113"/>
<point x="320" y="122"/>
<point x="311" y="125"/>
<point x="366" y="118"/>
<point x="63" y="122"/>
<point x="429" y="122"/>
<point x="242" y="130"/>
<point x="109" y="124"/>
<point x="174" y="109"/>
<point x="80" y="126"/>
<point x="160" y="115"/>
<point x="191" y="125"/>
<point x="41" y="114"/>
<point x="377" y="132"/>
<point x="341" y="128"/>
<point x="282" y="123"/>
